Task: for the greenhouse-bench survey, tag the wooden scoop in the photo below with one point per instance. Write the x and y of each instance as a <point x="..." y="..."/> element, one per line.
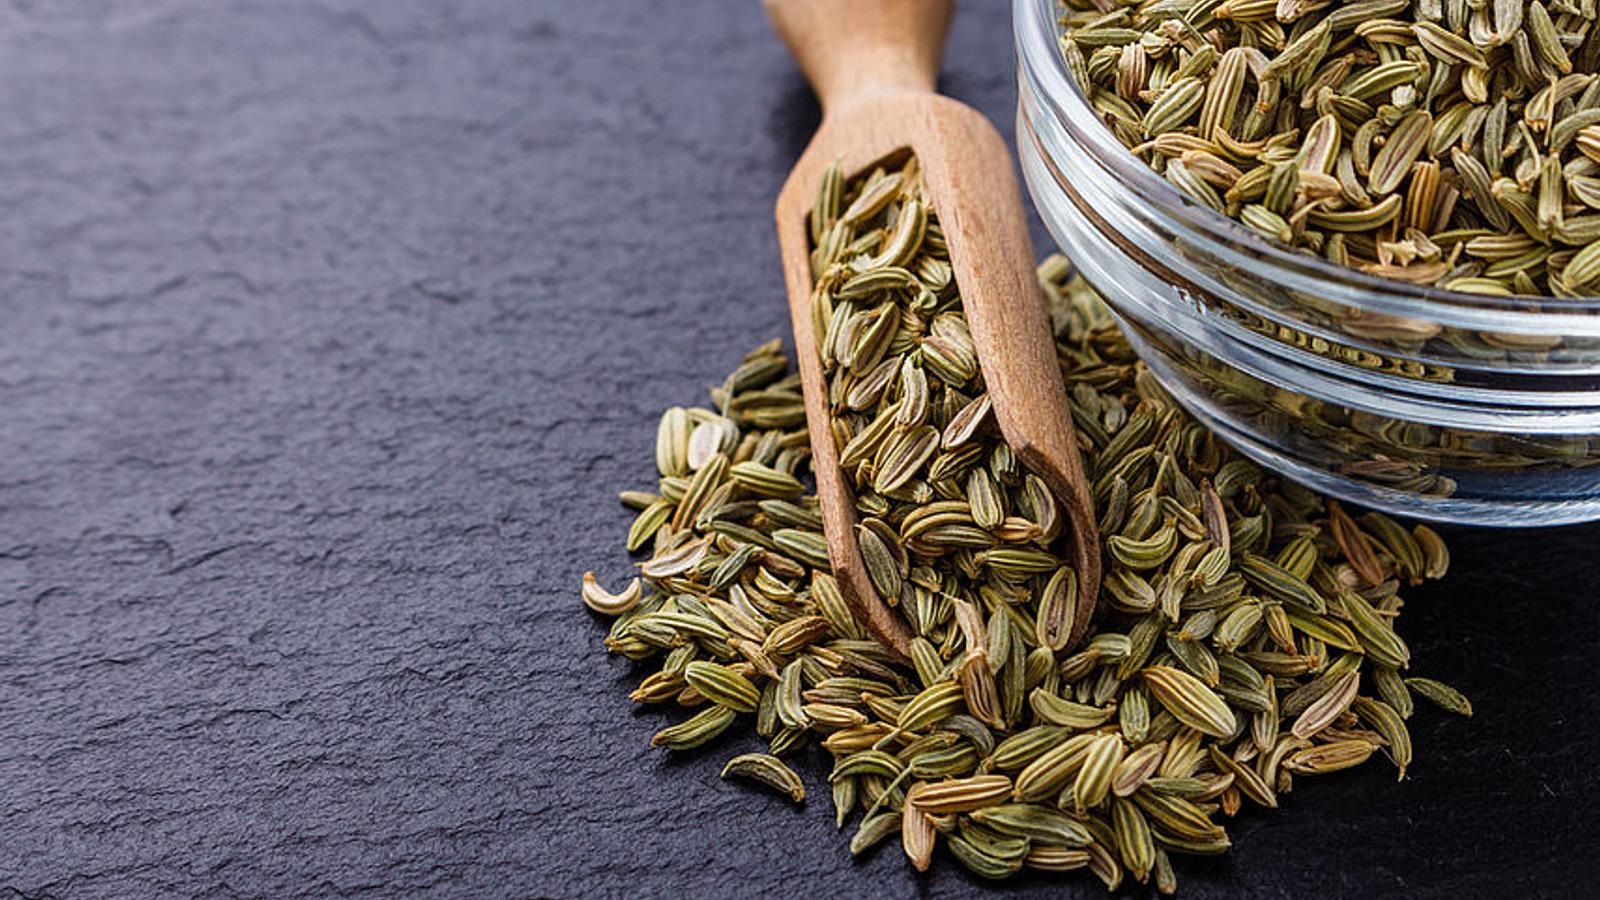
<point x="872" y="64"/>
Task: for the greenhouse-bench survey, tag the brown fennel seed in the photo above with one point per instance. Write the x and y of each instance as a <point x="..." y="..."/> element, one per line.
<point x="1366" y="118"/>
<point x="768" y="770"/>
<point x="735" y="615"/>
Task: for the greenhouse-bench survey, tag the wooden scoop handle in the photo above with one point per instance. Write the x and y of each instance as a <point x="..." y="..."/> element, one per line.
<point x="853" y="49"/>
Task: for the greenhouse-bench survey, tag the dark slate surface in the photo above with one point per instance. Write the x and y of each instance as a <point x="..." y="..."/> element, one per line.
<point x="329" y="331"/>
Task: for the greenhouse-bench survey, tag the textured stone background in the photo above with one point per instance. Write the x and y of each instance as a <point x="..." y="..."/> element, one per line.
<point x="329" y="330"/>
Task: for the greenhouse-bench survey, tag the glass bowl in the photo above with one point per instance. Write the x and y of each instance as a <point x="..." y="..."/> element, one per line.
<point x="1431" y="403"/>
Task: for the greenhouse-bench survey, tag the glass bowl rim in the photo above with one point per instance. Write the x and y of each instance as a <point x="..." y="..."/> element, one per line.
<point x="1034" y="23"/>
